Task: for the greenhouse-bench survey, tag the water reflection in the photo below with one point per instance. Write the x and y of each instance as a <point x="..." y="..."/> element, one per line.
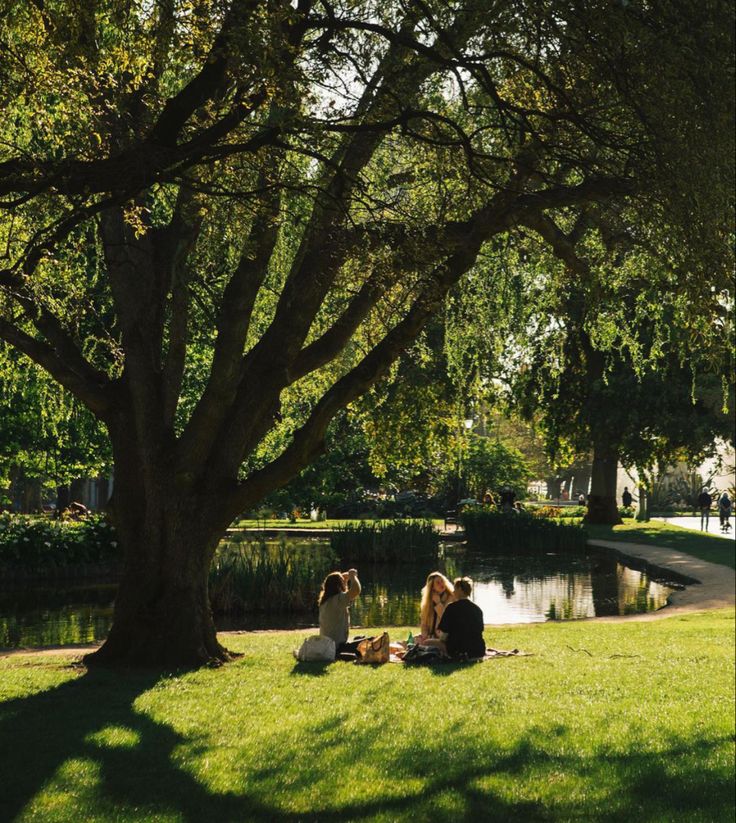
<point x="519" y="589"/>
<point x="46" y="616"/>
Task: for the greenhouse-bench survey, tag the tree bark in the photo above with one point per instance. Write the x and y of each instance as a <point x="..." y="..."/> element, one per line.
<point x="63" y="497"/>
<point x="168" y="532"/>
<point x="31" y="495"/>
<point x="602" y="505"/>
<point x="553" y="487"/>
<point x="642" y="512"/>
<point x="162" y="611"/>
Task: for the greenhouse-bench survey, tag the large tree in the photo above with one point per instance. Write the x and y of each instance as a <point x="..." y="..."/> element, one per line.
<point x="638" y="375"/>
<point x="208" y="206"/>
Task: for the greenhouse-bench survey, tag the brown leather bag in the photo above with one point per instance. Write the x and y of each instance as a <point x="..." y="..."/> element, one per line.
<point x="374" y="649"/>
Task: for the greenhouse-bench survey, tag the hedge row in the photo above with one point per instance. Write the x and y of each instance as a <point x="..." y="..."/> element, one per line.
<point x="32" y="542"/>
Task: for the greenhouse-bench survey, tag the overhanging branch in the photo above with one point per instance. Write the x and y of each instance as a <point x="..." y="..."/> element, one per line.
<point x="92" y="394"/>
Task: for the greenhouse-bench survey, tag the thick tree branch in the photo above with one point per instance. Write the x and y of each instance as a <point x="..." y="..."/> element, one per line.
<point x="328" y="345"/>
<point x="173" y="251"/>
<point x="135" y="289"/>
<point x="320" y="255"/>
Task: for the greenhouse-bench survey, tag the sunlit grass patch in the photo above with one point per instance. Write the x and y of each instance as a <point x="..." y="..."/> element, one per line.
<point x="656" y="533"/>
<point x="611" y="721"/>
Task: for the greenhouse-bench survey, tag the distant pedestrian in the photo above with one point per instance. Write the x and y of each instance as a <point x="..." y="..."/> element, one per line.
<point x="704" y="502"/>
<point x="626" y="498"/>
<point x="724" y="511"/>
<point x="581" y="499"/>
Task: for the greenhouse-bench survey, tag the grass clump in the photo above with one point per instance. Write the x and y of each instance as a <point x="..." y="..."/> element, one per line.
<point x="394" y="541"/>
<point x="604" y="722"/>
<point x="257" y="576"/>
<point x="494" y="531"/>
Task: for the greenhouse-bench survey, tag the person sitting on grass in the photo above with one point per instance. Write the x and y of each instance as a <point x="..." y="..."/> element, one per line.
<point x="461" y="626"/>
<point x="437" y="593"/>
<point x="339" y="589"/>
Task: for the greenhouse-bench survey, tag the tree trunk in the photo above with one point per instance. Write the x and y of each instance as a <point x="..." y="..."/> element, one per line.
<point x="602" y="505"/>
<point x="63" y="497"/>
<point x="162" y="611"/>
<point x="168" y="535"/>
<point x="553" y="487"/>
<point x="642" y="513"/>
<point x="32" y="495"/>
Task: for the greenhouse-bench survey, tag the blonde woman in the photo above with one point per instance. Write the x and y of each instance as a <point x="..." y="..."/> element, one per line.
<point x="437" y="593"/>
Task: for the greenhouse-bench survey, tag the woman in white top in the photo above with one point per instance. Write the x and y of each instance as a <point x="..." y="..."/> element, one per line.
<point x="339" y="589"/>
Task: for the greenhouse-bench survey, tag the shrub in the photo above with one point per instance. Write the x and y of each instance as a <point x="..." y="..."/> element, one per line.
<point x="40" y="544"/>
<point x="258" y="577"/>
<point x="386" y="541"/>
<point x="546" y="511"/>
<point x="488" y="530"/>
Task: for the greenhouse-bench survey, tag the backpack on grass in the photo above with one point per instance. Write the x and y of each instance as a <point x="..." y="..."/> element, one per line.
<point x="318" y="647"/>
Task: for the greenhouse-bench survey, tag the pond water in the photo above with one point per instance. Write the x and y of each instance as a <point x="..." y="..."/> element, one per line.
<point x="516" y="589"/>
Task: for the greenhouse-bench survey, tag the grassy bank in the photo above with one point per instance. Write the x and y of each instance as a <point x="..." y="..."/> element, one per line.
<point x="655" y="533"/>
<point x="320" y="524"/>
<point x="605" y="722"/>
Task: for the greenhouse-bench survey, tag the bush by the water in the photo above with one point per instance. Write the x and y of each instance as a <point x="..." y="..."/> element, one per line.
<point x="395" y="541"/>
<point x="557" y="511"/>
<point x="40" y="544"/>
<point x="520" y="532"/>
<point x="258" y="577"/>
<point x="571" y="511"/>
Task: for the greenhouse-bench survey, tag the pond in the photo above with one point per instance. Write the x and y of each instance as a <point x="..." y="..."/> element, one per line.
<point x="509" y="589"/>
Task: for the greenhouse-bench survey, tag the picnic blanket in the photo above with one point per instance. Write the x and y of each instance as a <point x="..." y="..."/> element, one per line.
<point x="491" y="654"/>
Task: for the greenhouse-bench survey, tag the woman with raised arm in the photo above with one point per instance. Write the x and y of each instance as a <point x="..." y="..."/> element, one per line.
<point x="339" y="589"/>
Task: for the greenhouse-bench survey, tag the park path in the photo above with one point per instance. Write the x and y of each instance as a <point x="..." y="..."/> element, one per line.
<point x="715" y="587"/>
<point x="714" y="525"/>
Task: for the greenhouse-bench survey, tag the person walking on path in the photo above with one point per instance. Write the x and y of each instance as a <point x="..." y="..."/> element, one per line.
<point x="724" y="511"/>
<point x="704" y="501"/>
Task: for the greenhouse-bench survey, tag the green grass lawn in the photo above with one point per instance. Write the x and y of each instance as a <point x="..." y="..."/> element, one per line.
<point x="705" y="546"/>
<point x="630" y="721"/>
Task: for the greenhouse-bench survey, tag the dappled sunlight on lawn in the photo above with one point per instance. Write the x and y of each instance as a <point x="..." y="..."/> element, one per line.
<point x="601" y="723"/>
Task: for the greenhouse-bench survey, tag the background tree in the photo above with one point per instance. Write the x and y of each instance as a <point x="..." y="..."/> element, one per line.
<point x="48" y="439"/>
<point x="628" y="383"/>
<point x="242" y="205"/>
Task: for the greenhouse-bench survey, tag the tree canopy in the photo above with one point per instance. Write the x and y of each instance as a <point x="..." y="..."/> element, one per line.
<point x="213" y="213"/>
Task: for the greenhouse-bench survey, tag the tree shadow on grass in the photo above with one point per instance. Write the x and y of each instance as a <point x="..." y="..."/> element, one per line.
<point x="38" y="734"/>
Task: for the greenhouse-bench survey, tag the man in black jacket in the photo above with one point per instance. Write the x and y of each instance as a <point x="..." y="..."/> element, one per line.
<point x="461" y="626"/>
